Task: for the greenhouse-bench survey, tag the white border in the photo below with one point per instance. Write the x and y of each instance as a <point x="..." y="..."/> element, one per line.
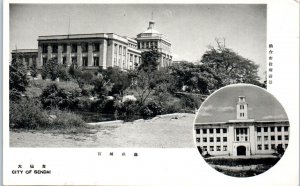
<point x="167" y="166"/>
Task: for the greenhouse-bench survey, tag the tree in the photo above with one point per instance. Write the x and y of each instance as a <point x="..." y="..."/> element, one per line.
<point x="18" y="80"/>
<point x="51" y="69"/>
<point x="33" y="69"/>
<point x="230" y="66"/>
<point x="146" y="76"/>
<point x="197" y="78"/>
<point x="119" y="79"/>
<point x="149" y="61"/>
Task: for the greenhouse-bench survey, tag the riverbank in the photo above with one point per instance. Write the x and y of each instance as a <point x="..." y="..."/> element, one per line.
<point x="165" y="131"/>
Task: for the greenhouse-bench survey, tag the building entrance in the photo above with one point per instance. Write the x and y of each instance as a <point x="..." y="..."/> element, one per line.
<point x="241" y="150"/>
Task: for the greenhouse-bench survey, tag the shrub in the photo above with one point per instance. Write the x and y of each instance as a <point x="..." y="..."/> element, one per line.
<point x="127" y="110"/>
<point x="27" y="114"/>
<point x="63" y="73"/>
<point x="67" y="120"/>
<point x="151" y="109"/>
<point x="108" y="106"/>
<point x="54" y="97"/>
<point x="189" y="102"/>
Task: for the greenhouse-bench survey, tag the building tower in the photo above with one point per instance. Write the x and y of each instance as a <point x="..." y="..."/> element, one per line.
<point x="242" y="109"/>
<point x="151" y="39"/>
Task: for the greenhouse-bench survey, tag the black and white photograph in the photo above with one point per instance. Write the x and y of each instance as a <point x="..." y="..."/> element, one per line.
<point x="90" y="76"/>
<point x="109" y="92"/>
<point x="243" y="135"/>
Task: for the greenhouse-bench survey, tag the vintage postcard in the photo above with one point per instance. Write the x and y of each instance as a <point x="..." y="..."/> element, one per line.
<point x="151" y="93"/>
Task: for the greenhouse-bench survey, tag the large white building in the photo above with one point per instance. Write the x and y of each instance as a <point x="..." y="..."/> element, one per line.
<point x="91" y="51"/>
<point x="242" y="135"/>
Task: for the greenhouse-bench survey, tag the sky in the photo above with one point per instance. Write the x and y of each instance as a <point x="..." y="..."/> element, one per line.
<point x="262" y="106"/>
<point x="191" y="28"/>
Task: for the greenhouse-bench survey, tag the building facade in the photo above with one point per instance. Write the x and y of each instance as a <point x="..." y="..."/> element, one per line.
<point x="91" y="51"/>
<point x="28" y="56"/>
<point x="242" y="136"/>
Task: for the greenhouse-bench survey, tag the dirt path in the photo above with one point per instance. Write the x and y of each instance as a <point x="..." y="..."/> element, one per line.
<point x="167" y="131"/>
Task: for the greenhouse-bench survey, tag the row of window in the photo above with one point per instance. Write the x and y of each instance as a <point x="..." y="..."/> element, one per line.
<point x="267" y="147"/>
<point x="211" y="131"/>
<point x="245" y="138"/>
<point x="148" y="44"/>
<point x="120" y="50"/>
<point x="211" y="139"/>
<point x="74" y="60"/>
<point x="212" y="148"/>
<point x="84" y="48"/>
<point x="259" y="129"/>
<point x="266" y="138"/>
<point x="272" y="129"/>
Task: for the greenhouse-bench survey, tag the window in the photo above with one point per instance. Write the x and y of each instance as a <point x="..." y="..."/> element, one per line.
<point x="64" y="60"/>
<point x="224" y="148"/>
<point x="211" y="139"/>
<point x="73" y="48"/>
<point x="64" y="47"/>
<point x="96" y="47"/>
<point x="85" y="61"/>
<point x="279" y="129"/>
<point x="124" y="51"/>
<point x="265" y="129"/>
<point x="258" y="138"/>
<point x="44" y="48"/>
<point x="266" y="147"/>
<point x="272" y="146"/>
<point x="131" y="57"/>
<point x="265" y="138"/>
<point x="258" y="129"/>
<point x="258" y="147"/>
<point x="272" y="129"/>
<point x="96" y="61"/>
<point x="272" y="138"/>
<point x="204" y="131"/>
<point x="286" y="145"/>
<point x="211" y="131"/>
<point x="204" y="139"/>
<point x="279" y="137"/>
<point x="224" y="139"/>
<point x="211" y="148"/>
<point x="115" y="49"/>
<point x="44" y="61"/>
<point x="74" y="60"/>
<point x="218" y="139"/>
<point x="286" y="137"/>
<point x="120" y="49"/>
<point x="204" y="148"/>
<point x="286" y="129"/>
<point x="197" y="131"/>
<point x="84" y="47"/>
<point x="198" y="140"/>
<point x="224" y="130"/>
<point x="54" y="48"/>
<point x="218" y="148"/>
<point x="218" y="131"/>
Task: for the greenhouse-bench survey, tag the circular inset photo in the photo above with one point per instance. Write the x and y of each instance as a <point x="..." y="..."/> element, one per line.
<point x="241" y="130"/>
